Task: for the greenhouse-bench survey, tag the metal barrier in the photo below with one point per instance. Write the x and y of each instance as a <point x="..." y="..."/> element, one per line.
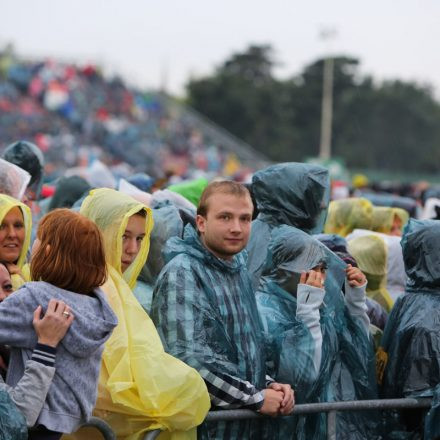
<point x="331" y="408"/>
<point x="103" y="427"/>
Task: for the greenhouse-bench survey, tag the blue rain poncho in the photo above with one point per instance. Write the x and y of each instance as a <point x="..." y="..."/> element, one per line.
<point x="411" y="341"/>
<point x="346" y="370"/>
<point x="293" y="194"/>
<point x="206" y="314"/>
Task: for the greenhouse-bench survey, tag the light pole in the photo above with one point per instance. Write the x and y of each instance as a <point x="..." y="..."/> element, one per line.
<point x="327" y="100"/>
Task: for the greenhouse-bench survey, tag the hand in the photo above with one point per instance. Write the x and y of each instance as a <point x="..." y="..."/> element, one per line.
<point x="272" y="402"/>
<point x="355" y="276"/>
<point x="312" y="278"/>
<point x="288" y="401"/>
<point x="53" y="326"/>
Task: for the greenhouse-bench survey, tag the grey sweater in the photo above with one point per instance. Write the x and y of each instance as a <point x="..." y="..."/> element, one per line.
<point x="72" y="395"/>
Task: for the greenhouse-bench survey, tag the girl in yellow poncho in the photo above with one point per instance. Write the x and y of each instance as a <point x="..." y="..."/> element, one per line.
<point x="141" y="387"/>
<point x="371" y="254"/>
<point x="15" y="236"/>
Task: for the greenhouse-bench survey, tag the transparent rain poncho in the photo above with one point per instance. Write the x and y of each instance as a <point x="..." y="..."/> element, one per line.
<point x="347" y="368"/>
<point x="345" y="215"/>
<point x="371" y="254"/>
<point x="384" y="217"/>
<point x="141" y="387"/>
<point x="6" y="204"/>
<point x="206" y="313"/>
<point x="13" y="180"/>
<point x="411" y="341"/>
<point x="293" y="194"/>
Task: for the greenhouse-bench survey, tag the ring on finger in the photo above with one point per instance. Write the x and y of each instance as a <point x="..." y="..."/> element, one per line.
<point x="66" y="314"/>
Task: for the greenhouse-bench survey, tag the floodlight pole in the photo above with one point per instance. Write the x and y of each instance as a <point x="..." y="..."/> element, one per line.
<point x="327" y="110"/>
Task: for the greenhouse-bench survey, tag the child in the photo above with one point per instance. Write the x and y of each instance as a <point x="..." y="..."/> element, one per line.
<point x="68" y="263"/>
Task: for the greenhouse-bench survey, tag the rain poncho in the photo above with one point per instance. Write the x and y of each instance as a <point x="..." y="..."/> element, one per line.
<point x="191" y="190"/>
<point x="13" y="180"/>
<point x="346" y="369"/>
<point x="293" y="194"/>
<point x="68" y="191"/>
<point x="411" y="341"/>
<point x="6" y="204"/>
<point x="205" y="312"/>
<point x="347" y="214"/>
<point x="167" y="224"/>
<point x="12" y="421"/>
<point x="386" y="199"/>
<point x="383" y="218"/>
<point x="371" y="255"/>
<point x="396" y="276"/>
<point x="141" y="387"/>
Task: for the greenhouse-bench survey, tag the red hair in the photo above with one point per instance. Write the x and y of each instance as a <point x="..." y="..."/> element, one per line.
<point x="71" y="253"/>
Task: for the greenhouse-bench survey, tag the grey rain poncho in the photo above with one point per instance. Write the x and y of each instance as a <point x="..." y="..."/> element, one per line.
<point x="411" y="341"/>
<point x="206" y="314"/>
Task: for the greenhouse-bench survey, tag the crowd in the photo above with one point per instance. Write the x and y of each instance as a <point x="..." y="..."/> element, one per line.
<point x="148" y="304"/>
<point x="76" y="114"/>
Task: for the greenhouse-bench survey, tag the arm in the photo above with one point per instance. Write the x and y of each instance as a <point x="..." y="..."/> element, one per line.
<point x="355" y="296"/>
<point x="309" y="300"/>
<point x="30" y="392"/>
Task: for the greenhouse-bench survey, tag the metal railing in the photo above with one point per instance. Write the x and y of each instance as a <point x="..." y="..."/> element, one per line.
<point x="331" y="408"/>
<point x="102" y="426"/>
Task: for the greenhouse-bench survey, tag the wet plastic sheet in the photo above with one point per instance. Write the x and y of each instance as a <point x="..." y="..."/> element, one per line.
<point x="13" y="180"/>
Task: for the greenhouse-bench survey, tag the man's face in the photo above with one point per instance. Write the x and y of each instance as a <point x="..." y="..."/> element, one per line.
<point x="225" y="229"/>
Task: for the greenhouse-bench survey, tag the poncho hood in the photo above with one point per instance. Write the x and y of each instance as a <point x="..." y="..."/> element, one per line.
<point x="294" y="194"/>
<point x="421" y="254"/>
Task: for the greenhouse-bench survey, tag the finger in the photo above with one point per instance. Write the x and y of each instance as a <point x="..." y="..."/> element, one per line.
<point x="276" y="386"/>
<point x="37" y="314"/>
<point x="303" y="278"/>
<point x="312" y="276"/>
<point x="61" y="307"/>
<point x="52" y="306"/>
<point x="287" y="395"/>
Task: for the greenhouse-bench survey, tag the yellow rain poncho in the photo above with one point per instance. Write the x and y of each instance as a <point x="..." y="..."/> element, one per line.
<point x="384" y="218"/>
<point x="345" y="215"/>
<point x="370" y="253"/>
<point x="141" y="387"/>
<point x="6" y="204"/>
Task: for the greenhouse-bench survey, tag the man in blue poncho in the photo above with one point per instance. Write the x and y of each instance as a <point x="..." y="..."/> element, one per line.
<point x="205" y="311"/>
<point x="410" y="349"/>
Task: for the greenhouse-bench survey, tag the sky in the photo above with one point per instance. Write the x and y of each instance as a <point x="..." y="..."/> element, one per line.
<point x="165" y="42"/>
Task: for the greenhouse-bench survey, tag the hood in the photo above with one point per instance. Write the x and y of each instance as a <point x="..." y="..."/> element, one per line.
<point x="110" y="210"/>
<point x="345" y="215"/>
<point x="421" y="253"/>
<point x="6" y="204"/>
<point x="370" y="253"/>
<point x="294" y="194"/>
<point x="68" y="191"/>
<point x="168" y="223"/>
<point x="292" y="251"/>
<point x="383" y="218"/>
<point x="190" y="245"/>
<point x="94" y="319"/>
<point x="191" y="190"/>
